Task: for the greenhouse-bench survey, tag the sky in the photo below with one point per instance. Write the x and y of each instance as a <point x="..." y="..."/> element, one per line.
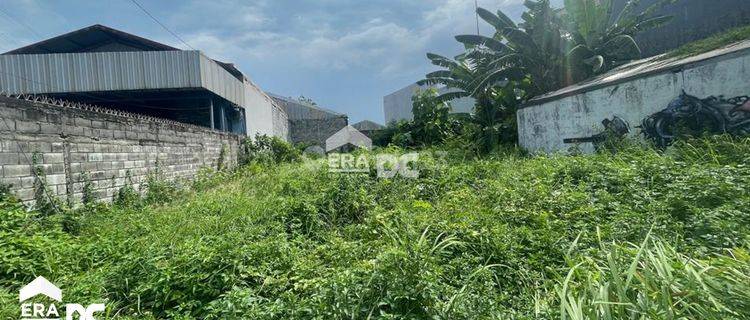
<point x="344" y="54"/>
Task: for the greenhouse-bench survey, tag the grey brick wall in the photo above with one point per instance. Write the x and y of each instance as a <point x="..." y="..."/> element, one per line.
<point x="106" y="145"/>
<point x="315" y="131"/>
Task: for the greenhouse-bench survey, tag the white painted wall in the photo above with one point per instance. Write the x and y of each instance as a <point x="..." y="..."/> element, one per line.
<point x="542" y="127"/>
<point x="262" y="115"/>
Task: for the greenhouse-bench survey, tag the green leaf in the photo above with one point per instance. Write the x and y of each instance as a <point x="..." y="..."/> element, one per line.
<point x="652" y="23"/>
<point x="441" y="61"/>
<point x="520" y="40"/>
<point x="495" y="76"/>
<point x="491" y="18"/>
<point x="622" y="47"/>
<point x="579" y="53"/>
<point x="478" y="40"/>
<point x="596" y="62"/>
<point x="448" y="82"/>
<point x="508" y="21"/>
<point x="507" y="60"/>
<point x="589" y="17"/>
<point x="439" y="74"/>
<point x="450" y="96"/>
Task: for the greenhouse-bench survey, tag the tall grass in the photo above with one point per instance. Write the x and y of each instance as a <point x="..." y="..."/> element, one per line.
<point x="502" y="237"/>
<point x="652" y="280"/>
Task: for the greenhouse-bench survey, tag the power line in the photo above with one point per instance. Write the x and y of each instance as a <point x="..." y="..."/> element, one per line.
<point x="22" y="23"/>
<point x="4" y="36"/>
<point x="161" y="24"/>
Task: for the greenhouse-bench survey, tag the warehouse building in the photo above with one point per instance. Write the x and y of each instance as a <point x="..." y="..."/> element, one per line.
<point x="111" y="68"/>
<point x="309" y="123"/>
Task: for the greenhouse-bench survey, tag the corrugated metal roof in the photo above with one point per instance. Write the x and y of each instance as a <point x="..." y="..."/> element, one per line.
<point x="117" y="71"/>
<point x="297" y="110"/>
<point x="367" y="125"/>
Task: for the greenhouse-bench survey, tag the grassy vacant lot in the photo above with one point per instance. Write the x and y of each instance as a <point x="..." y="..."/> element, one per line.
<point x="640" y="234"/>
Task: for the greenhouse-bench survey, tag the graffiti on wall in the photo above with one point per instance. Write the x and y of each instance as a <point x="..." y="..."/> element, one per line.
<point x="689" y="115"/>
<point x="615" y="128"/>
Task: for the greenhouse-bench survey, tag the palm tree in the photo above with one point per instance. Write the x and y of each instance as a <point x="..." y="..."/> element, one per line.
<point x="501" y="71"/>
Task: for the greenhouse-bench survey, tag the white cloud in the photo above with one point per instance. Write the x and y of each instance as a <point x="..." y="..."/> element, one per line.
<point x="383" y="45"/>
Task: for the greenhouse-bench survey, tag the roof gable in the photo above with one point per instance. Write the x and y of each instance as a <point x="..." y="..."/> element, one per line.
<point x="367" y="125"/>
<point x="297" y="110"/>
<point x="96" y="38"/>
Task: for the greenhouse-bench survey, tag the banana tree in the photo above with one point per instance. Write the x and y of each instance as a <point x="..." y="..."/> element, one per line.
<point x="534" y="49"/>
<point x="496" y="102"/>
<point x="605" y="41"/>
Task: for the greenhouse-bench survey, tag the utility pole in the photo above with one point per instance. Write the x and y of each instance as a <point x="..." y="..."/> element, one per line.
<point x="476" y="7"/>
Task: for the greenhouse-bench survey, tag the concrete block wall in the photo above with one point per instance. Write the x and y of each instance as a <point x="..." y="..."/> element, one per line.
<point x="106" y="145"/>
<point x="315" y="131"/>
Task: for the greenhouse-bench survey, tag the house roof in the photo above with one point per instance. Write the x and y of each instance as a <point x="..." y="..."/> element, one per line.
<point x="86" y="39"/>
<point x="367" y="125"/>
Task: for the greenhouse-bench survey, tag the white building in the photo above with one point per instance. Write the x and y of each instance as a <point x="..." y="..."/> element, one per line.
<point x="397" y="105"/>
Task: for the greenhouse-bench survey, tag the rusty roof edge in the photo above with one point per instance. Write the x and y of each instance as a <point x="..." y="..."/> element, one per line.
<point x="669" y="65"/>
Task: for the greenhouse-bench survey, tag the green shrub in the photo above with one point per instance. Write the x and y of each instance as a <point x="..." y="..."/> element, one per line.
<point x="158" y="189"/>
<point x="31" y="247"/>
<point x="45" y="201"/>
<point x="127" y="196"/>
<point x="265" y="149"/>
<point x="221" y="162"/>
